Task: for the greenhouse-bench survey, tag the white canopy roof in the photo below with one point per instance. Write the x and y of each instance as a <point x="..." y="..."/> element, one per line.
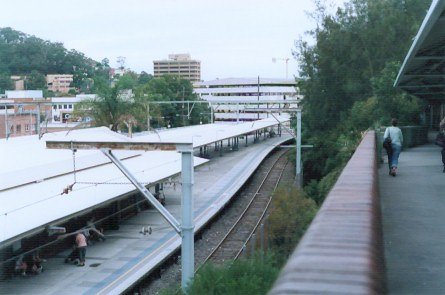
<point x="32" y="177"/>
<point x="200" y="135"/>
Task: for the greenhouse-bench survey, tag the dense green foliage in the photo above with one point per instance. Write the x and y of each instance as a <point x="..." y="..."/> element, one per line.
<point x="117" y="109"/>
<point x="109" y="109"/>
<point x="291" y="214"/>
<point x="249" y="276"/>
<point x="170" y="88"/>
<point x="23" y="55"/>
<point x="347" y="79"/>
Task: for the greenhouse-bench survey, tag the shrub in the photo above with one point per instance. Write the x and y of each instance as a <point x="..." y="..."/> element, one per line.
<point x="292" y="212"/>
<point x="246" y="276"/>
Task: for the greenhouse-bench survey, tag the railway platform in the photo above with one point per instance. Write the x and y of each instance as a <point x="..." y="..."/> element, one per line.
<point x="413" y="205"/>
<point x="127" y="255"/>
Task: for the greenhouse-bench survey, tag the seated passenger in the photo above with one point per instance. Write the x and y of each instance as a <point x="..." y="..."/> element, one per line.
<point x="37" y="267"/>
<point x="33" y="264"/>
<point x="20" y="266"/>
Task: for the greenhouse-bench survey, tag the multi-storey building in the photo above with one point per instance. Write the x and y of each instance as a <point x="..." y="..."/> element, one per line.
<point x="179" y="65"/>
<point x="17" y="124"/>
<point x="63" y="108"/>
<point x="59" y="82"/>
<point x="17" y="119"/>
<point x="235" y="99"/>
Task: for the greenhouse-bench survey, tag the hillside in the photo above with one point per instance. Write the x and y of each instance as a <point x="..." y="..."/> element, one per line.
<point x="23" y="54"/>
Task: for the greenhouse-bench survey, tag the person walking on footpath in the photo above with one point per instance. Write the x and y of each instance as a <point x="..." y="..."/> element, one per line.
<point x="81" y="244"/>
<point x="395" y="135"/>
<point x="442" y="129"/>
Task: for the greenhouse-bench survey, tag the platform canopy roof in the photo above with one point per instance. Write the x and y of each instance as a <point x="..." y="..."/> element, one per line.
<point x="198" y="136"/>
<point x="423" y="71"/>
<point x="33" y="177"/>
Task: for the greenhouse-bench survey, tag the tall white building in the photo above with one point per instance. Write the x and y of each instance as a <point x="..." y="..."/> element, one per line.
<point x="232" y="98"/>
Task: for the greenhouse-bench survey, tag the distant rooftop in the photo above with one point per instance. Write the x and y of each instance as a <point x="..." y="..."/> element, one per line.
<point x="34" y="94"/>
<point x="177" y="57"/>
<point x="181" y="56"/>
<point x="245" y="81"/>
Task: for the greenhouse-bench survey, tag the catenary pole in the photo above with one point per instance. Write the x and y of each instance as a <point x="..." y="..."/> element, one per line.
<point x="298" y="174"/>
<point x="187" y="225"/>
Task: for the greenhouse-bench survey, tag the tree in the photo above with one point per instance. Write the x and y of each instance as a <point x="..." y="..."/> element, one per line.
<point x="35" y="80"/>
<point x="347" y="75"/>
<point x="392" y="102"/>
<point x="5" y="82"/>
<point x="20" y="54"/>
<point x="128" y="81"/>
<point x="352" y="47"/>
<point x="108" y="109"/>
<point x="144" y="78"/>
<point x="170" y="88"/>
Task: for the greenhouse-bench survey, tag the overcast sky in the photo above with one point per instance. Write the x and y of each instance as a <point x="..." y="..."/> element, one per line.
<point x="231" y="38"/>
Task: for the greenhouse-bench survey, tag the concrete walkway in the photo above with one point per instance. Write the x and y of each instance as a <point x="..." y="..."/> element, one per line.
<point x="413" y="207"/>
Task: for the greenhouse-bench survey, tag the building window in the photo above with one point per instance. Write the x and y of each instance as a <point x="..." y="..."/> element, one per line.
<point x="18" y="129"/>
<point x="27" y="127"/>
<point x="60" y="106"/>
<point x="55" y="107"/>
<point x="65" y="106"/>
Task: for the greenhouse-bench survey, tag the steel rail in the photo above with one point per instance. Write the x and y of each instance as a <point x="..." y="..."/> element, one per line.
<point x="242" y="214"/>
<point x="264" y="212"/>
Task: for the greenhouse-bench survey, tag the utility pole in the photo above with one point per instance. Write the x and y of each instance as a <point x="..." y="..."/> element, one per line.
<point x="298" y="172"/>
<point x="148" y="116"/>
<point x="6" y="122"/>
<point x="258" y="96"/>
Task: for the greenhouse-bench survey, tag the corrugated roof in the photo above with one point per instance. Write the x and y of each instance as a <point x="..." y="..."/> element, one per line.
<point x="423" y="71"/>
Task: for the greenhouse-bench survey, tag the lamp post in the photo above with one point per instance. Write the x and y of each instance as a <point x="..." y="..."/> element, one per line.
<point x="286" y="60"/>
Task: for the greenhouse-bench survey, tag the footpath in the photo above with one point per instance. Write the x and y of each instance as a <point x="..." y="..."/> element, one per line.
<point x="413" y="209"/>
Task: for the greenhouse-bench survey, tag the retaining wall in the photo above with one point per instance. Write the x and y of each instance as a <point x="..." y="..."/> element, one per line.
<point x="342" y="251"/>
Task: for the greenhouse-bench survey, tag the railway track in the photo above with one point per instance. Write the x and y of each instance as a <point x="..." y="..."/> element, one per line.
<point x="235" y="240"/>
<point x="254" y="195"/>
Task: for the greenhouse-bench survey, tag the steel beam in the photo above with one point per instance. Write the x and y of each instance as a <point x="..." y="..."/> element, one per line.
<point x="423" y="86"/>
<point x="143" y="190"/>
<point x="88" y="145"/>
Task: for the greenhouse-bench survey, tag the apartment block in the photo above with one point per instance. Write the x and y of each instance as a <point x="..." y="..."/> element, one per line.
<point x="59" y="82"/>
<point x="179" y="65"/>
